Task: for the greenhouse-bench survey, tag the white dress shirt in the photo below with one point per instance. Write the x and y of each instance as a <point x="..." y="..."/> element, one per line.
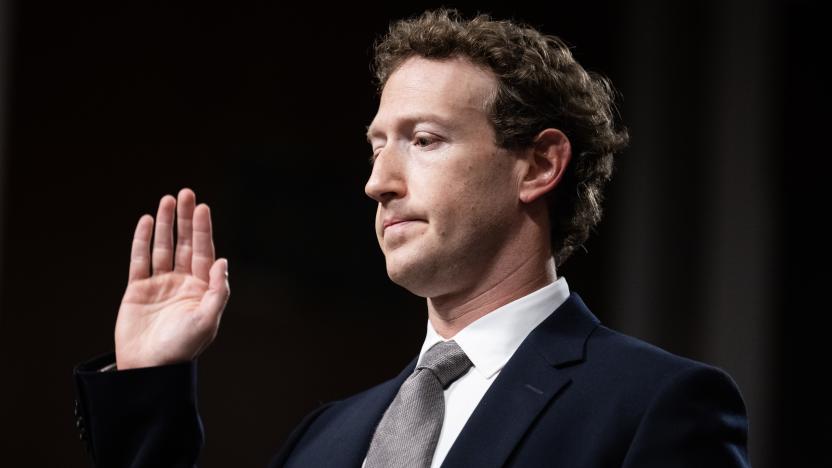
<point x="489" y="343"/>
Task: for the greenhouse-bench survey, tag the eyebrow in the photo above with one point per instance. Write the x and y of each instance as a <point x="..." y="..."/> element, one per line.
<point x="413" y="120"/>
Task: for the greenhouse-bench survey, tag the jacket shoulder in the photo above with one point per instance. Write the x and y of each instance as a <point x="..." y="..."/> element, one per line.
<point x="682" y="410"/>
<point x="624" y="355"/>
<point x="641" y="372"/>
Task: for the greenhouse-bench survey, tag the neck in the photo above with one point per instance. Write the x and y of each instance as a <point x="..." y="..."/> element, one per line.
<point x="452" y="312"/>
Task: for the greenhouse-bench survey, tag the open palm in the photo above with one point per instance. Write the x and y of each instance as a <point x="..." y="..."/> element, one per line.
<point x="171" y="313"/>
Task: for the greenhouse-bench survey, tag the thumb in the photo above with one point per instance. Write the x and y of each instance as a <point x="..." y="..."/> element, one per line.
<point x="218" y="288"/>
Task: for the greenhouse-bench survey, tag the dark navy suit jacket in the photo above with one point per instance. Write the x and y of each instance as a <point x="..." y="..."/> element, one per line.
<point x="575" y="394"/>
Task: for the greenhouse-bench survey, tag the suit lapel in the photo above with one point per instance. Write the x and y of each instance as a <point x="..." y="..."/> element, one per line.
<point x="530" y="380"/>
<point x="351" y="439"/>
<point x="344" y="441"/>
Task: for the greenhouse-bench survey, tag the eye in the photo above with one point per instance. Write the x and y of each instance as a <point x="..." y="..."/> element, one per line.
<point x="424" y="139"/>
<point x="374" y="156"/>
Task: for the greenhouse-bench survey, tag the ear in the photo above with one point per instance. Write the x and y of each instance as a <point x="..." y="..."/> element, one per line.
<point x="547" y="160"/>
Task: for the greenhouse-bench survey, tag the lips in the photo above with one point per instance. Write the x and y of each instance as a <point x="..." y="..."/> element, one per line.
<point x="392" y="222"/>
<point x="395" y="220"/>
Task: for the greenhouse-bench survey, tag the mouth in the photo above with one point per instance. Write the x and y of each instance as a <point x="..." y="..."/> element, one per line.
<point x="397" y="223"/>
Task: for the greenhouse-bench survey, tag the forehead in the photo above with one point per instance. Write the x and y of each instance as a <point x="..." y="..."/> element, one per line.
<point x="453" y="91"/>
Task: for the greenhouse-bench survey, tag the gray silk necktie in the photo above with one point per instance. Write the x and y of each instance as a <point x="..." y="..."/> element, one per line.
<point x="409" y="430"/>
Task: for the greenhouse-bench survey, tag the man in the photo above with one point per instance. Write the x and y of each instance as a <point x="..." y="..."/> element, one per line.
<point x="491" y="147"/>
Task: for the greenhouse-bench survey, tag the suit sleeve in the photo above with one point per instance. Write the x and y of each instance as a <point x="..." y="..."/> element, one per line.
<point x="698" y="419"/>
<point x="139" y="417"/>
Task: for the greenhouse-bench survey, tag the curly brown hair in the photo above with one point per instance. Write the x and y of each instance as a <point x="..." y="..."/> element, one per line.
<point x="540" y="86"/>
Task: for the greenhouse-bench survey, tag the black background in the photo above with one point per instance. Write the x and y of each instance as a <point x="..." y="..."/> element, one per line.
<point x="261" y="108"/>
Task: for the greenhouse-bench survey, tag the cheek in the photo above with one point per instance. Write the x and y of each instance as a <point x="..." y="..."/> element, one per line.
<point x="470" y="207"/>
<point x="490" y="195"/>
<point x="466" y="195"/>
<point x="490" y="184"/>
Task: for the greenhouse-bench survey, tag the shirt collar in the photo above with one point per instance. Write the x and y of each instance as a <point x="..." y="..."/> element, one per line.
<point x="490" y="341"/>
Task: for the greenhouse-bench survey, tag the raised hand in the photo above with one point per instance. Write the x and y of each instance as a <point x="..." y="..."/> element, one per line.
<point x="172" y="313"/>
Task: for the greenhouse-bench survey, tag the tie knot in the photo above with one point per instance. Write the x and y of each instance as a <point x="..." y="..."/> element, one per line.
<point x="446" y="360"/>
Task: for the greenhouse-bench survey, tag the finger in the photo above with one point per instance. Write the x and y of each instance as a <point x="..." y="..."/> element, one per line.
<point x="219" y="289"/>
<point x="215" y="298"/>
<point x="184" y="228"/>
<point x="203" y="254"/>
<point x="163" y="236"/>
<point x="140" y="252"/>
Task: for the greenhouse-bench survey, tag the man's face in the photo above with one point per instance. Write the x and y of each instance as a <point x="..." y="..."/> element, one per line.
<point x="447" y="195"/>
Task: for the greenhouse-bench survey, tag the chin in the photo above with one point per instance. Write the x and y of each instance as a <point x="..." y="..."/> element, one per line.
<point x="416" y="275"/>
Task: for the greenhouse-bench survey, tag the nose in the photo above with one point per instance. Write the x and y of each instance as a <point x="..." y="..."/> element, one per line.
<point x="387" y="179"/>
